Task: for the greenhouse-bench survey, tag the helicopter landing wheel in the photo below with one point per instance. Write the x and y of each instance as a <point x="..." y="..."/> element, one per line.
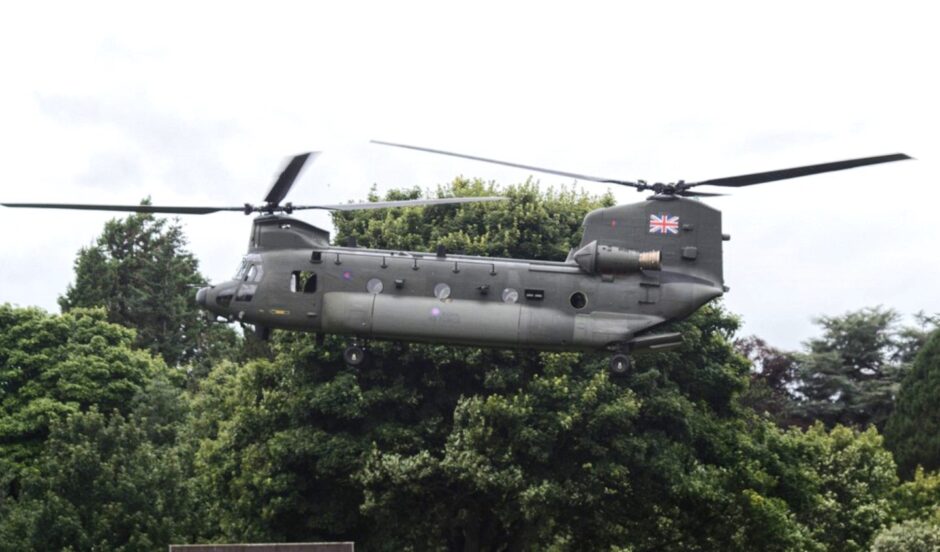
<point x="620" y="364"/>
<point x="354" y="355"/>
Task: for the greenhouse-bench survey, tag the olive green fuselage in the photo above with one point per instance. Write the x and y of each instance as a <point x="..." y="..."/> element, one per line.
<point x="293" y="279"/>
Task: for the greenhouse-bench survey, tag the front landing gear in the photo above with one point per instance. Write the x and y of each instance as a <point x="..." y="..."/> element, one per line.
<point x="620" y="364"/>
<point x="354" y="355"/>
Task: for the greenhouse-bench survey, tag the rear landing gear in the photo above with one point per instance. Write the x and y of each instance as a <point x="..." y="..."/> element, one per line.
<point x="354" y="355"/>
<point x="620" y="364"/>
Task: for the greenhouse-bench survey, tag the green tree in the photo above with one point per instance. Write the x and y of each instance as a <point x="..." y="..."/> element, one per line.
<point x="55" y="365"/>
<point x="913" y="430"/>
<point x="502" y="449"/>
<point x="140" y="271"/>
<point x="850" y="478"/>
<point x="102" y="484"/>
<point x="918" y="498"/>
<point x="774" y="379"/>
<point x="908" y="536"/>
<point x="495" y="447"/>
<point x="850" y="374"/>
<point x="912" y="338"/>
<point x="559" y="454"/>
<point x="531" y="224"/>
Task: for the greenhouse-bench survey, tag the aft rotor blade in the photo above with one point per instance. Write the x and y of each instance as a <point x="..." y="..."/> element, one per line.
<point x="290" y="173"/>
<point x="516" y="165"/>
<point x="402" y="203"/>
<point x="178" y="210"/>
<point x="796" y="172"/>
<point x="687" y="193"/>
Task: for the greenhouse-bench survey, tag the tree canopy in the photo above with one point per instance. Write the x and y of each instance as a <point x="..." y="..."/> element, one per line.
<point x="913" y="430"/>
<point x="849" y="375"/>
<point x="140" y="271"/>
<point x="52" y="366"/>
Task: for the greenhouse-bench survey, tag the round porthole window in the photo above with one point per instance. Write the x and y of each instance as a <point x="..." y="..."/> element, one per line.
<point x="374" y="286"/>
<point x="510" y="295"/>
<point x="442" y="291"/>
<point x="578" y="300"/>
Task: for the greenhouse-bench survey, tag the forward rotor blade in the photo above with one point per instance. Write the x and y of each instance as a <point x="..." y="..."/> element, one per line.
<point x="516" y="165"/>
<point x="179" y="210"/>
<point x="402" y="203"/>
<point x="796" y="172"/>
<point x="290" y="173"/>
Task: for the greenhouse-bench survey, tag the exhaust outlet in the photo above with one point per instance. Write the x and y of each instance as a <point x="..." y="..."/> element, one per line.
<point x="607" y="259"/>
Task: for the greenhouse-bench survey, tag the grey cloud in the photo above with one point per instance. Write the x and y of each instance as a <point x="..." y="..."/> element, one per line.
<point x="775" y="142"/>
<point x="187" y="148"/>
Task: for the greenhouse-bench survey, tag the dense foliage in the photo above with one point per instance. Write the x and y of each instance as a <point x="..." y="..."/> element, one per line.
<point x="141" y="273"/>
<point x="773" y="389"/>
<point x="102" y="483"/>
<point x="53" y="366"/>
<point x="103" y="447"/>
<point x="848" y="376"/>
<point x="913" y="431"/>
<point x="912" y="535"/>
<point x="851" y="374"/>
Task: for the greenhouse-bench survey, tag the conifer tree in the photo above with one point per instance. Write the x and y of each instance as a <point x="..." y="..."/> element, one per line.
<point x="140" y="271"/>
<point x="913" y="431"/>
<point x="850" y="374"/>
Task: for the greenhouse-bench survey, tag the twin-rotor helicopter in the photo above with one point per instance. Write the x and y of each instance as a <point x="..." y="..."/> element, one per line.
<point x="638" y="267"/>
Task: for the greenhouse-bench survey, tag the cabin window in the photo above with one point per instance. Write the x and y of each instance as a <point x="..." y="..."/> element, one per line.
<point x="303" y="281"/>
<point x="442" y="291"/>
<point x="578" y="300"/>
<point x="375" y="286"/>
<point x="510" y="295"/>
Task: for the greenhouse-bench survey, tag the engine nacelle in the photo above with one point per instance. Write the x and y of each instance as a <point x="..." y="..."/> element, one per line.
<point x="606" y="259"/>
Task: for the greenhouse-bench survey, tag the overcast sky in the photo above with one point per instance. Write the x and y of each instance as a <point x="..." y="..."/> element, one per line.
<point x="200" y="102"/>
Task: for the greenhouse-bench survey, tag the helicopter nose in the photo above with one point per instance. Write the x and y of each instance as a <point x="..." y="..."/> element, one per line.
<point x="201" y="296"/>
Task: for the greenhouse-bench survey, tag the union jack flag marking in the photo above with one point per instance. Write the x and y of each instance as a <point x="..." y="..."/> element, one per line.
<point x="664" y="224"/>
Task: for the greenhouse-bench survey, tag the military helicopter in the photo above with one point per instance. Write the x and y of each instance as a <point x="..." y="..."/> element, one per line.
<point x="638" y="267"/>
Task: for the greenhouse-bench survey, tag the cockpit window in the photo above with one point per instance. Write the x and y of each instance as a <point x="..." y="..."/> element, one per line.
<point x="250" y="269"/>
<point x="254" y="273"/>
<point x="242" y="269"/>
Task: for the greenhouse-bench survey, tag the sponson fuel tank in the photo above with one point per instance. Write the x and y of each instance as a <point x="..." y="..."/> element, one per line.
<point x="476" y="322"/>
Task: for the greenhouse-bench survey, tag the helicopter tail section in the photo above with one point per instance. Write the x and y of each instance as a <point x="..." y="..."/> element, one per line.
<point x="687" y="235"/>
